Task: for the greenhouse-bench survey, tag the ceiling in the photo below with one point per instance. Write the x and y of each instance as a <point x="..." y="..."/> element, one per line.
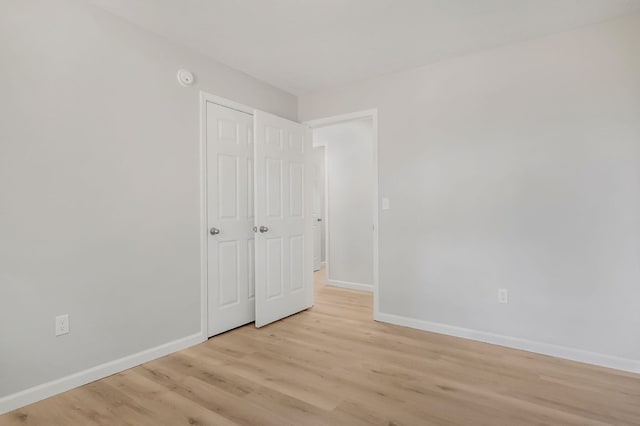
<point x="309" y="45"/>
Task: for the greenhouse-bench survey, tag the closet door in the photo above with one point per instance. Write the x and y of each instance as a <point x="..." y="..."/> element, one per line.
<point x="230" y="215"/>
<point x="283" y="204"/>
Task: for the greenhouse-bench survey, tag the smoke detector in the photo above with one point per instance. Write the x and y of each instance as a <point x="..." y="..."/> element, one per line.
<point x="185" y="78"/>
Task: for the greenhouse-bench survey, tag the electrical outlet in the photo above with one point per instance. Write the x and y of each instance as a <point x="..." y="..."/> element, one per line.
<point x="503" y="295"/>
<point x="386" y="204"/>
<point x="62" y="325"/>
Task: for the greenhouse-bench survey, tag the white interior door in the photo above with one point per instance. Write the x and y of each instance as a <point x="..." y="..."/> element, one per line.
<point x="230" y="216"/>
<point x="284" y="239"/>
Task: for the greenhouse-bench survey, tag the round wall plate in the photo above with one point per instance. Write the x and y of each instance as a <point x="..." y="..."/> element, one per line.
<point x="185" y="78"/>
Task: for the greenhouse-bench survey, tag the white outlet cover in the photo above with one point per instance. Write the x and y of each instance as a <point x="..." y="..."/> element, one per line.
<point x="503" y="295"/>
<point x="386" y="204"/>
<point x="62" y="325"/>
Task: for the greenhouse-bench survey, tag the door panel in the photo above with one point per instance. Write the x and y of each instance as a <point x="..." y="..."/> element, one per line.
<point x="228" y="267"/>
<point x="273" y="253"/>
<point x="251" y="268"/>
<point x="284" y="251"/>
<point x="273" y="189"/>
<point x="296" y="263"/>
<point x="296" y="193"/>
<point x="230" y="263"/>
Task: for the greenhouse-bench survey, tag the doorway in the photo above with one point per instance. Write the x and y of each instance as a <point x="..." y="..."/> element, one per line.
<point x="319" y="199"/>
<point x="348" y="144"/>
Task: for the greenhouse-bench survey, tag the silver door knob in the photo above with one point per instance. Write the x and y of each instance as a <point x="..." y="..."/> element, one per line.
<point x="214" y="231"/>
<point x="264" y="229"/>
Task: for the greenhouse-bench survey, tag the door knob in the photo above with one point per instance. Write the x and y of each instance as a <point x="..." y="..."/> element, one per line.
<point x="264" y="229"/>
<point x="214" y="231"/>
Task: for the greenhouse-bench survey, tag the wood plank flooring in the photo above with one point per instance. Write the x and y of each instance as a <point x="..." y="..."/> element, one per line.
<point x="332" y="365"/>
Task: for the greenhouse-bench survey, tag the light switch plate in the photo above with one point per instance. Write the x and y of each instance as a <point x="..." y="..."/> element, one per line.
<point x="386" y="204"/>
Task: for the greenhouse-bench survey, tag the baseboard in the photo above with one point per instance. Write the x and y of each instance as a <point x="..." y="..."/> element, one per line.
<point x="564" y="352"/>
<point x="350" y="285"/>
<point x="45" y="390"/>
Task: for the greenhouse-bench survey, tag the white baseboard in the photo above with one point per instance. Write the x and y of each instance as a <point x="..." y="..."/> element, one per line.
<point x="350" y="285"/>
<point x="573" y="354"/>
<point x="45" y="390"/>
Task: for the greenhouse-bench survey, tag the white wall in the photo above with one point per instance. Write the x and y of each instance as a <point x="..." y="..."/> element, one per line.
<point x="99" y="187"/>
<point x="350" y="199"/>
<point x="517" y="167"/>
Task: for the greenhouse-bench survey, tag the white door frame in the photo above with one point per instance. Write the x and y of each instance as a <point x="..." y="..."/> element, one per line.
<point x="204" y="232"/>
<point x="328" y="121"/>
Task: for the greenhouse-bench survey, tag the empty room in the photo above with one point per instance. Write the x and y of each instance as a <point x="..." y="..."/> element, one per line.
<point x="319" y="212"/>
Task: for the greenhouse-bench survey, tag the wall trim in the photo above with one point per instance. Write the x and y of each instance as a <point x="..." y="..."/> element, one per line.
<point x="602" y="360"/>
<point x="351" y="285"/>
<point x="63" y="384"/>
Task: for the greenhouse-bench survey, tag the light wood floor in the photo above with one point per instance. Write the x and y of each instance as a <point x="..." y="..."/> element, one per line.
<point x="332" y="365"/>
